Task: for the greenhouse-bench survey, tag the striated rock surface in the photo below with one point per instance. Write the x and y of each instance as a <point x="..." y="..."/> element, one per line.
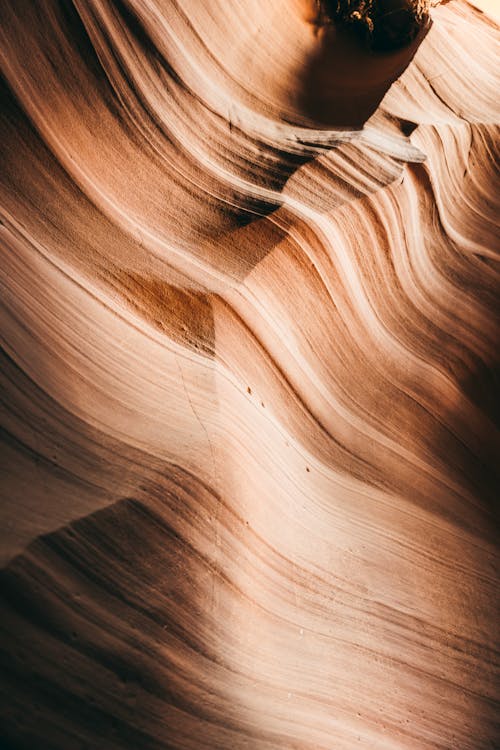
<point x="249" y="379"/>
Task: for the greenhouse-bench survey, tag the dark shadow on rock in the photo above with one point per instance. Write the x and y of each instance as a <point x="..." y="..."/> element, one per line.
<point x="345" y="81"/>
<point x="110" y="628"/>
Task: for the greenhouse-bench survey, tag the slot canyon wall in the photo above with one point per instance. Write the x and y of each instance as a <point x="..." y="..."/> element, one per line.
<point x="249" y="322"/>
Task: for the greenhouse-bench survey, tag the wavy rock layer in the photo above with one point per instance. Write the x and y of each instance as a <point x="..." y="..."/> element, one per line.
<point x="248" y="380"/>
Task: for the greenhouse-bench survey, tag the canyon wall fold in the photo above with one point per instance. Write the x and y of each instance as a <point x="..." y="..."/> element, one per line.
<point x="249" y="305"/>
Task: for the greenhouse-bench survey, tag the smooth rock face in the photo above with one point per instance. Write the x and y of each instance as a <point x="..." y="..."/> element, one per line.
<point x="249" y="380"/>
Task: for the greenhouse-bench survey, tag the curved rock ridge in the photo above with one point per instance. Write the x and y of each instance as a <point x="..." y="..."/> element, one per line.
<point x="249" y="379"/>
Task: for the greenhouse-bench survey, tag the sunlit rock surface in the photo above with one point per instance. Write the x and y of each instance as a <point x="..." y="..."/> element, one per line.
<point x="249" y="390"/>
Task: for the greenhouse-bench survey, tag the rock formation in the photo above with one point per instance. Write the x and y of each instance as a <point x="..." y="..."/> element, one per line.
<point x="249" y="379"/>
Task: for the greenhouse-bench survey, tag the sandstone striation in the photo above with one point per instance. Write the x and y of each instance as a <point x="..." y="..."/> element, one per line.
<point x="249" y="305"/>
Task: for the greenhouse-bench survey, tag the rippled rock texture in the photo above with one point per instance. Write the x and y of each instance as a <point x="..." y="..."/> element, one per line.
<point x="249" y="379"/>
